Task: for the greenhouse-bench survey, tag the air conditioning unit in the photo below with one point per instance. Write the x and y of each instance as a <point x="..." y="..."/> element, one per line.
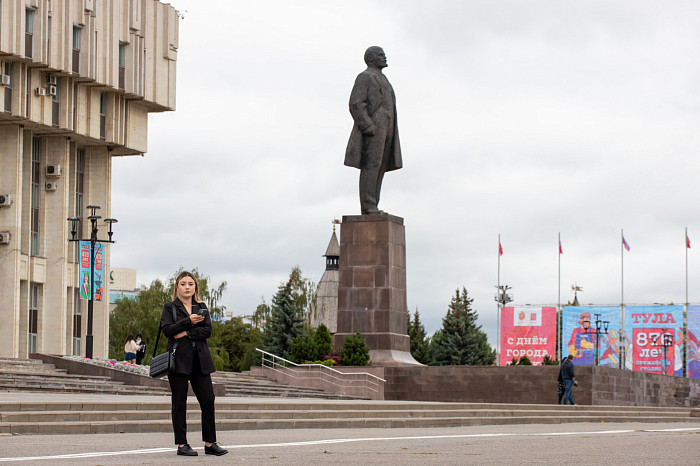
<point x="40" y="91"/>
<point x="51" y="90"/>
<point x="53" y="170"/>
<point x="5" y="79"/>
<point x="51" y="79"/>
<point x="5" y="237"/>
<point x="5" y="200"/>
<point x="51" y="186"/>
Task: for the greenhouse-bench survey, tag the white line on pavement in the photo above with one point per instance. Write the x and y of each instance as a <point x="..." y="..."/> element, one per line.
<point x="329" y="441"/>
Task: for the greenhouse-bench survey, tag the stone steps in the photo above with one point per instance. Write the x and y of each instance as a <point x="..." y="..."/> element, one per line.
<point x="154" y="416"/>
<point x="31" y="375"/>
<point x="238" y="384"/>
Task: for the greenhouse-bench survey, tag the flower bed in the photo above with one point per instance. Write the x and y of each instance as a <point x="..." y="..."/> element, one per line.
<point x="111" y="363"/>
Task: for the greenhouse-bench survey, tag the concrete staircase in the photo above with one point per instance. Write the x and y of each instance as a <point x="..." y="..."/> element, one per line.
<point x="83" y="417"/>
<point x="32" y="375"/>
<point x="247" y="384"/>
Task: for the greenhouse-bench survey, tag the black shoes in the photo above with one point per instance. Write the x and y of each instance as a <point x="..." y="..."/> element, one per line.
<point x="214" y="449"/>
<point x="186" y="450"/>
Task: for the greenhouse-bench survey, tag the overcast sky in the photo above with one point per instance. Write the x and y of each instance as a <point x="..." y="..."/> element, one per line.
<point x="523" y="119"/>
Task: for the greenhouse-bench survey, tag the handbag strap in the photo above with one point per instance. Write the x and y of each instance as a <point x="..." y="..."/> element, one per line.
<point x="155" y="348"/>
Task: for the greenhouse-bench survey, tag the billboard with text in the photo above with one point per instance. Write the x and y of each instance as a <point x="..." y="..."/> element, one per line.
<point x="527" y="331"/>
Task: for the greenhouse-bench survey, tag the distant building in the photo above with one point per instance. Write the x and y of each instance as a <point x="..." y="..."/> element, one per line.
<point x="326" y="311"/>
<point x="122" y="285"/>
<point x="78" y="79"/>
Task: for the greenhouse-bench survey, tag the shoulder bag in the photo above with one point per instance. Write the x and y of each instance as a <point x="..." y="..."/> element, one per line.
<point x="163" y="364"/>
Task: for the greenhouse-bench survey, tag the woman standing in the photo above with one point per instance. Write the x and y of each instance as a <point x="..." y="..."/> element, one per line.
<point x="130" y="348"/>
<point x="188" y="334"/>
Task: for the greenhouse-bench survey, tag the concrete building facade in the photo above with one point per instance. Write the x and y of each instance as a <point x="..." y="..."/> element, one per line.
<point x="78" y="79"/>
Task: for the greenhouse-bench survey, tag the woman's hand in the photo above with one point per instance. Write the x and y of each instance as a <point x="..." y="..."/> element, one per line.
<point x="180" y="335"/>
<point x="196" y="318"/>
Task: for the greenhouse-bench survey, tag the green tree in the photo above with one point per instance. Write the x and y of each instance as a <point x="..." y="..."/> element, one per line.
<point x="304" y="348"/>
<point x="139" y="315"/>
<point x="355" y="351"/>
<point x="324" y="341"/>
<point x="239" y="339"/>
<point x="420" y="343"/>
<point x="286" y="320"/>
<point x="261" y="314"/>
<point x="462" y="342"/>
<point x="303" y="294"/>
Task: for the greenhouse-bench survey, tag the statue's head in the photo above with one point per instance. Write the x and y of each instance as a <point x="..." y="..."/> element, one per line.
<point x="374" y="56"/>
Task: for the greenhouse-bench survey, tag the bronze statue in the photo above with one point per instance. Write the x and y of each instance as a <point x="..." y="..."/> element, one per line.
<point x="374" y="141"/>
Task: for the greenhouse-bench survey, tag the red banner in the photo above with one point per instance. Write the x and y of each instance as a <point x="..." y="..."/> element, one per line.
<point x="528" y="331"/>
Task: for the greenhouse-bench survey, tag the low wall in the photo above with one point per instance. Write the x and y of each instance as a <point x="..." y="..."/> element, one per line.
<point x="538" y="385"/>
<point x="127" y="378"/>
<point x="307" y="376"/>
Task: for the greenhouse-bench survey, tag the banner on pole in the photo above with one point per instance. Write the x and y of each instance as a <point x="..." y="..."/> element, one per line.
<point x="579" y="334"/>
<point x="98" y="278"/>
<point x="527" y="331"/>
<point x="693" y="342"/>
<point x="85" y="270"/>
<point x="656" y="342"/>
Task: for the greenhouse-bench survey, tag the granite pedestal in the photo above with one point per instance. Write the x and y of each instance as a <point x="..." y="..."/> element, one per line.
<point x="372" y="287"/>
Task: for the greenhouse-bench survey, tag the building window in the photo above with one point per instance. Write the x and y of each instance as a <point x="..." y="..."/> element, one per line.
<point x="122" y="64"/>
<point x="34" y="227"/>
<point x="79" y="196"/>
<point x="77" y="322"/>
<point x="48" y="39"/>
<point x="28" y="32"/>
<point x="33" y="317"/>
<point x="103" y="115"/>
<point x="28" y="107"/>
<point x="7" y="71"/>
<point x="54" y="91"/>
<point x="77" y="34"/>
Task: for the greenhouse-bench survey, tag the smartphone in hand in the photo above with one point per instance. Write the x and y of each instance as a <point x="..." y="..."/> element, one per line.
<point x="202" y="312"/>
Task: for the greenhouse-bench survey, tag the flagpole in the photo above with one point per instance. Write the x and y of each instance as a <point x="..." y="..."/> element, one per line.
<point x="498" y="306"/>
<point x="559" y="298"/>
<point x="622" y="299"/>
<point x="685" y="310"/>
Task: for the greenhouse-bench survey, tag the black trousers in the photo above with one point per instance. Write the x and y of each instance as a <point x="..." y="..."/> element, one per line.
<point x="204" y="391"/>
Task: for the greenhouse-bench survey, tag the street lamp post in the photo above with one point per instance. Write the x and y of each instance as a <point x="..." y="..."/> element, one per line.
<point x="93" y="240"/>
<point x="601" y="328"/>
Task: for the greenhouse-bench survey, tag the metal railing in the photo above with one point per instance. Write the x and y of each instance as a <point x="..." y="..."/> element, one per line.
<point x="361" y="384"/>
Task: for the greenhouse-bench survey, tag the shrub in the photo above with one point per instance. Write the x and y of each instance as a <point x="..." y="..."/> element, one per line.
<point x="355" y="351"/>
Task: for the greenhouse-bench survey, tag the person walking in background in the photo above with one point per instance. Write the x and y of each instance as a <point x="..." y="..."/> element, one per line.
<point x="141" y="352"/>
<point x="568" y="377"/>
<point x="130" y="348"/>
<point x="187" y="333"/>
<point x="560" y="382"/>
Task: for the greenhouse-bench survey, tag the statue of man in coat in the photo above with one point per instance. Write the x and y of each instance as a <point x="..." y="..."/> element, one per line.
<point x="374" y="141"/>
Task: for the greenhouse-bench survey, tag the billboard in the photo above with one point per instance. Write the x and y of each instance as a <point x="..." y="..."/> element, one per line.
<point x="580" y="339"/>
<point x="655" y="335"/>
<point x="527" y="331"/>
<point x="693" y="342"/>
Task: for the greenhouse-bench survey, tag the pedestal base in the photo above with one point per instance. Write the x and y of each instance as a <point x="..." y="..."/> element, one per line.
<point x="372" y="287"/>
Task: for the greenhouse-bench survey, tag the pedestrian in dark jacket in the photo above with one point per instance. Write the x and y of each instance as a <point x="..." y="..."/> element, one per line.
<point x="568" y="377"/>
<point x="187" y="336"/>
<point x="560" y="383"/>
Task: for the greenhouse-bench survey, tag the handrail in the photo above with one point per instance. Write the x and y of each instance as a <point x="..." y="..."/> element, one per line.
<point x="319" y="365"/>
<point x="332" y="379"/>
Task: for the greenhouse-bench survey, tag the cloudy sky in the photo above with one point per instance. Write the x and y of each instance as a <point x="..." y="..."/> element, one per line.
<point x="524" y="119"/>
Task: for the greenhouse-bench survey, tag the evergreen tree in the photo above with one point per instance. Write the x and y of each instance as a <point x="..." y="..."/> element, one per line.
<point x="420" y="344"/>
<point x="355" y="351"/>
<point x="324" y="341"/>
<point x="462" y="342"/>
<point x="285" y="322"/>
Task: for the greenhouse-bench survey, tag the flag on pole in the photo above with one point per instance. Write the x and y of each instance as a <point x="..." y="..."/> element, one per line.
<point x="500" y="249"/>
<point x="687" y="241"/>
<point x="624" y="243"/>
<point x="561" y="251"/>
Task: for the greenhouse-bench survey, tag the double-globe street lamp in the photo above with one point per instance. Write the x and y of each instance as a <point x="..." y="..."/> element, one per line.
<point x="93" y="240"/>
<point x="601" y="328"/>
